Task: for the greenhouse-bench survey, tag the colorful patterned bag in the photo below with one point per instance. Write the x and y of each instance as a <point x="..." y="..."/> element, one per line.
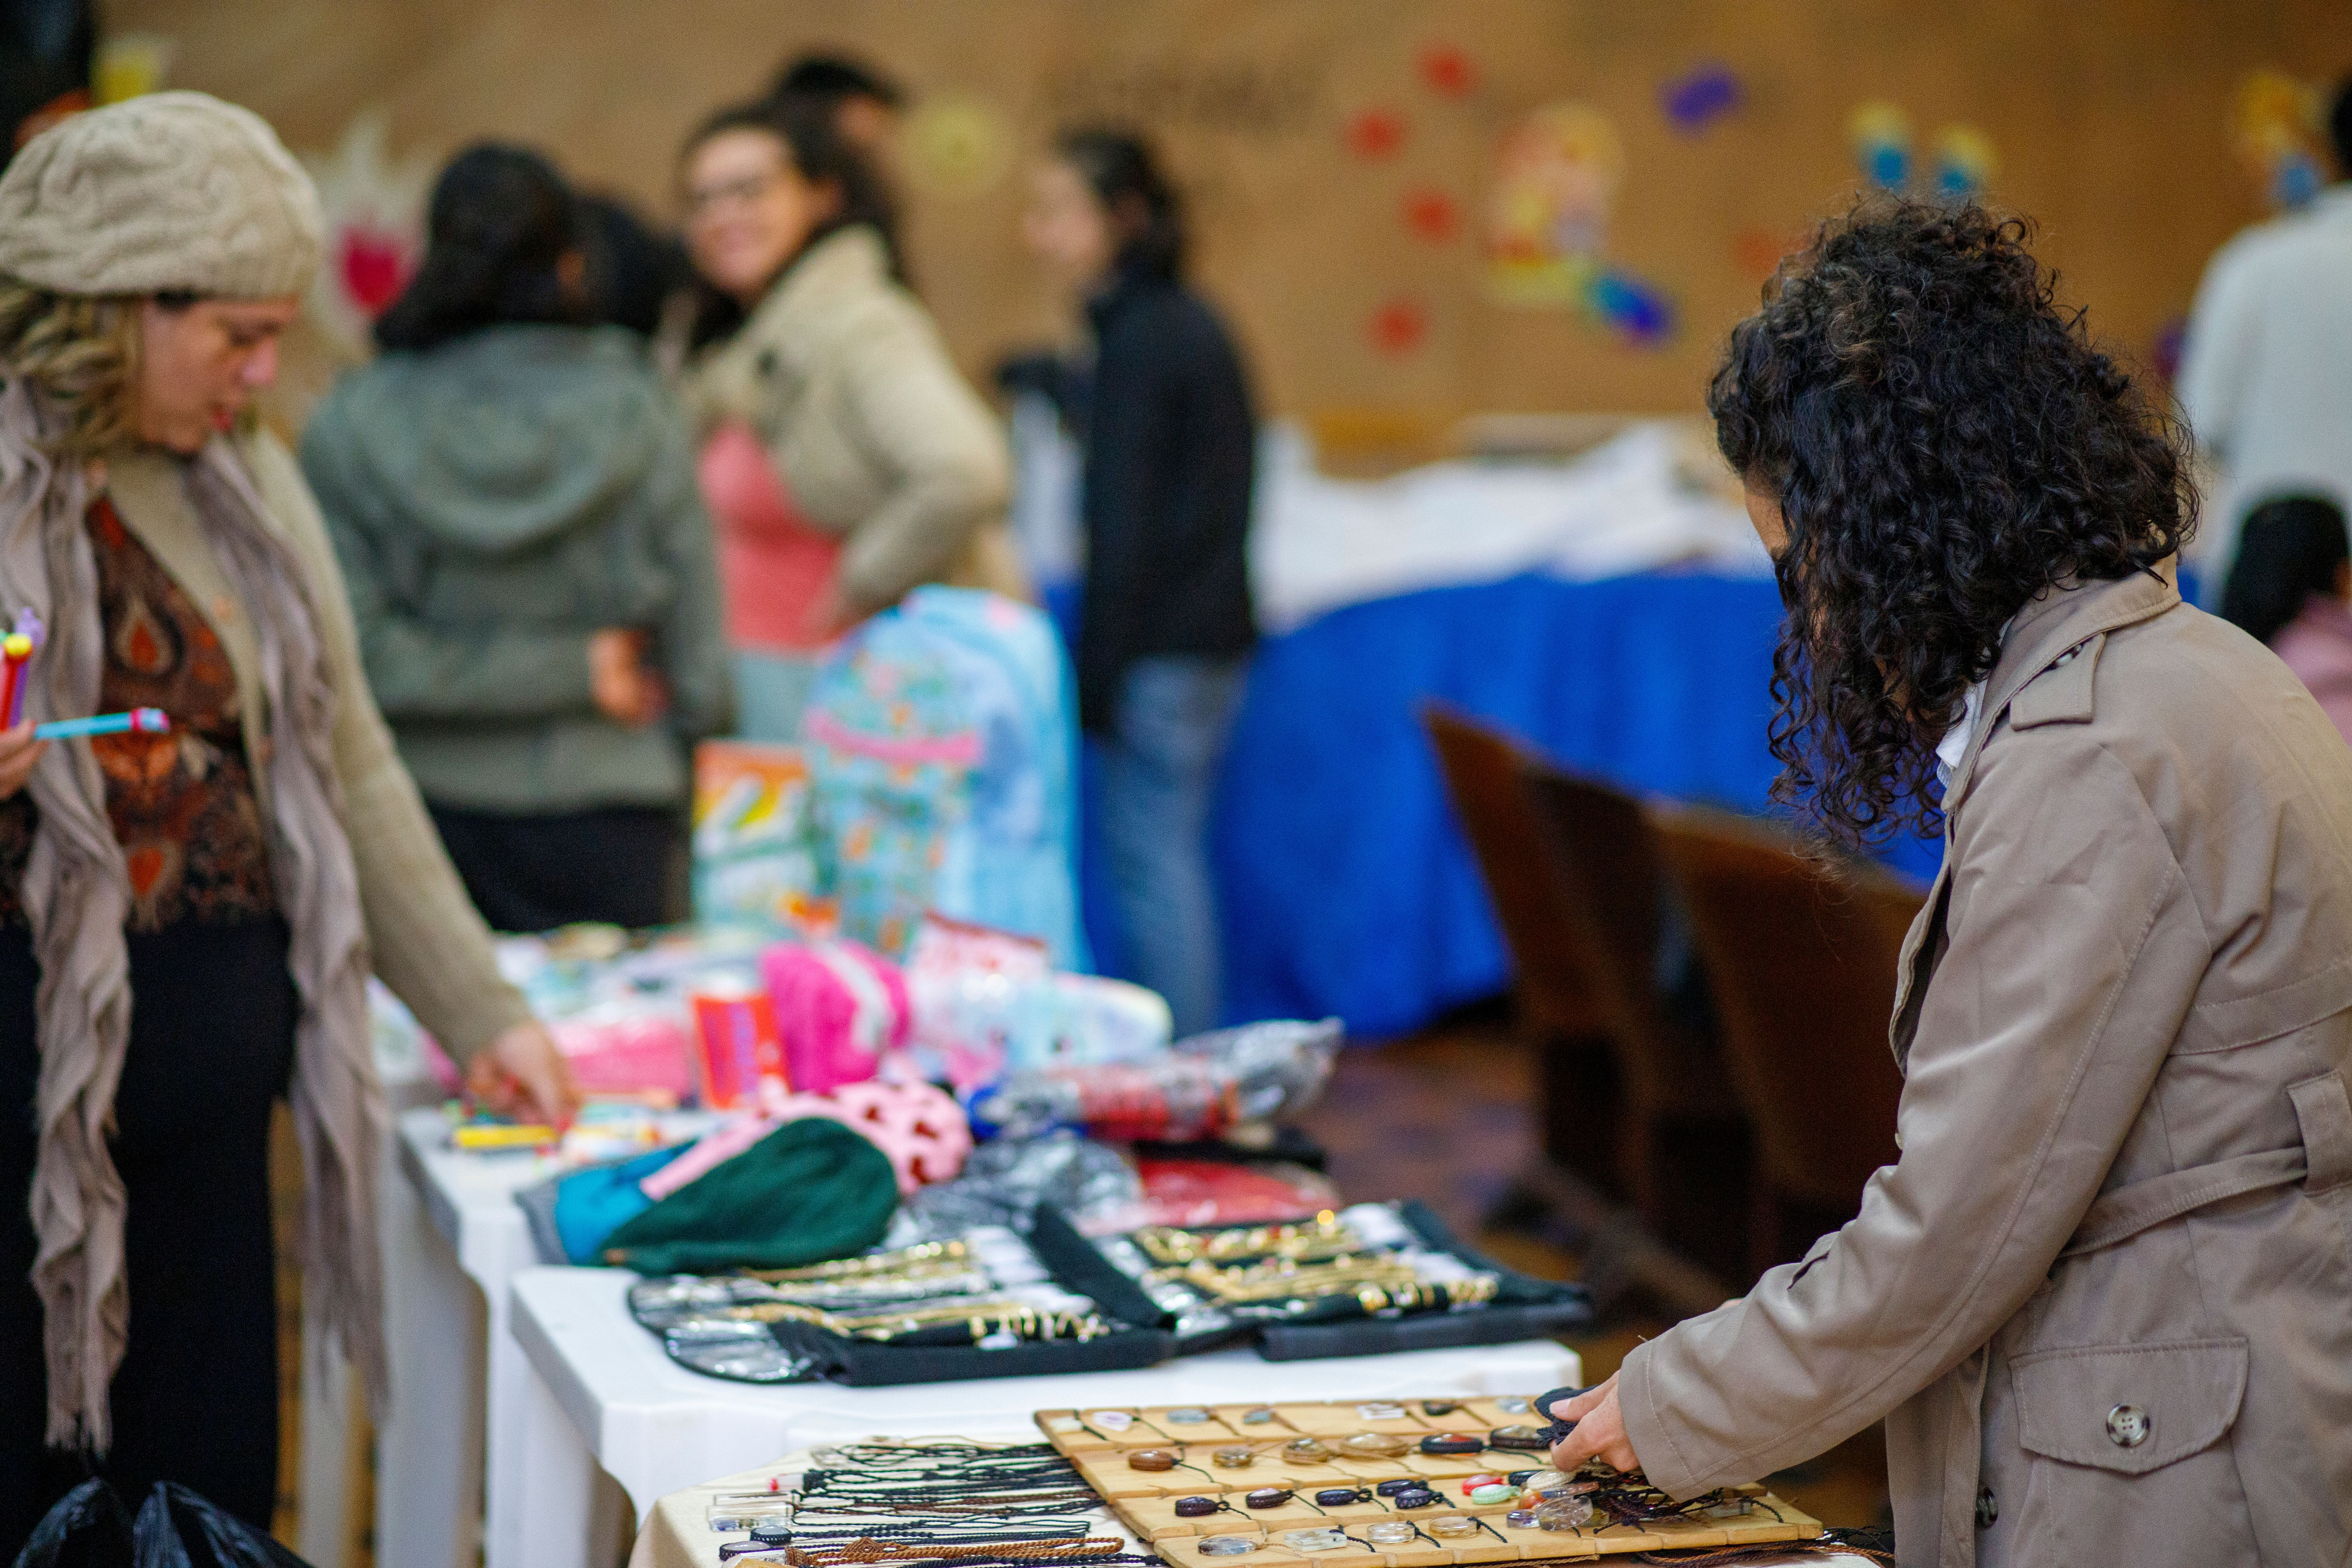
<point x="939" y="741"/>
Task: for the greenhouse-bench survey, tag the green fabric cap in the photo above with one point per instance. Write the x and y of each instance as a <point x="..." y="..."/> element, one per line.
<point x="809" y="1192"/>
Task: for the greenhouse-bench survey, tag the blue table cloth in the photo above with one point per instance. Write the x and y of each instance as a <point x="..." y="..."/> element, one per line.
<point x="1347" y="887"/>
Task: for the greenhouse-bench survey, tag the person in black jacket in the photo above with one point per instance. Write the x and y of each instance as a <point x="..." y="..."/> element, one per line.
<point x="1166" y="624"/>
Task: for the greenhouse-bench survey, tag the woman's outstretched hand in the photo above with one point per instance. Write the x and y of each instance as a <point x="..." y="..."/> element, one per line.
<point x="522" y="1075"/>
<point x="19" y="754"/>
<point x="1599" y="1431"/>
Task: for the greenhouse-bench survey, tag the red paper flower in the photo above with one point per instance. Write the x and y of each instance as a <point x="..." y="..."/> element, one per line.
<point x="1398" y="327"/>
<point x="1376" y="133"/>
<point x="375" y="267"/>
<point x="1447" y="70"/>
<point x="1432" y="215"/>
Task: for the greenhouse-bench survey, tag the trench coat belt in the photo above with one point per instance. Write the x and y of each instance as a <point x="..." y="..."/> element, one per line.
<point x="2323" y="1113"/>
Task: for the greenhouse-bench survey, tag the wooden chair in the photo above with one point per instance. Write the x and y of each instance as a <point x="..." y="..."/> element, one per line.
<point x="1802" y="957"/>
<point x="1551" y="992"/>
<point x="1682" y="1139"/>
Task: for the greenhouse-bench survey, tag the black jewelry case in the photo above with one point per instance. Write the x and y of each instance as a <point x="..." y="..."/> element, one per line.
<point x="1137" y="1336"/>
<point x="1522" y="1308"/>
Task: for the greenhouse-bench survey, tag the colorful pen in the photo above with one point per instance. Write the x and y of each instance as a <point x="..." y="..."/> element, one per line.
<point x="15" y="653"/>
<point x="138" y="722"/>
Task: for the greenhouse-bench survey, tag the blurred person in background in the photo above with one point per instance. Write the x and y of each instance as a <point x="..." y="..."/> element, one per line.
<point x="511" y="493"/>
<point x="188" y="920"/>
<point x="633" y="268"/>
<point x="2289" y="588"/>
<point x="2266" y="373"/>
<point x="865" y="106"/>
<point x="843" y="459"/>
<point x="1166" y="624"/>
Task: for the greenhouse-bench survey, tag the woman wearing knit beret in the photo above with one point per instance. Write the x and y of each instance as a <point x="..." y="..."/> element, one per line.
<point x="188" y="921"/>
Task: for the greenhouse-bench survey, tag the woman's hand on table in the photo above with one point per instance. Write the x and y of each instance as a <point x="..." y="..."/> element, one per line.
<point x="522" y="1075"/>
<point x="624" y="687"/>
<point x="1599" y="1431"/>
<point x="19" y="753"/>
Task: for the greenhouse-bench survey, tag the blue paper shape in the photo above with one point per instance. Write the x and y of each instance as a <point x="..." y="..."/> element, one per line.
<point x="1700" y="96"/>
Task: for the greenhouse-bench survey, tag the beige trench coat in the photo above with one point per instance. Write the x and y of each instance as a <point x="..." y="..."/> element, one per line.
<point x="2103" y="1300"/>
<point x="878" y="439"/>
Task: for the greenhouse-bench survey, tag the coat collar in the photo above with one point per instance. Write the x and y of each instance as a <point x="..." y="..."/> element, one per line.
<point x="2054" y="621"/>
<point x="848" y="262"/>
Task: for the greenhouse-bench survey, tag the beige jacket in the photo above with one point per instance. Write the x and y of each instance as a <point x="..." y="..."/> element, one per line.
<point x="425" y="939"/>
<point x="2103" y="1300"/>
<point x="877" y="436"/>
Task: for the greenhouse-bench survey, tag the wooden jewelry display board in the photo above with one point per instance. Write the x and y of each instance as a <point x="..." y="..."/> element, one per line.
<point x="1100" y="1442"/>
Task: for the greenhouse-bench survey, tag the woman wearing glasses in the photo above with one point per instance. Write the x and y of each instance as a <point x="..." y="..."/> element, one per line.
<point x="844" y="459"/>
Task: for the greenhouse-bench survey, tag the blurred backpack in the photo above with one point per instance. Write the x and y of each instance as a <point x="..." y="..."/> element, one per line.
<point x="940" y="740"/>
<point x="175" y="1529"/>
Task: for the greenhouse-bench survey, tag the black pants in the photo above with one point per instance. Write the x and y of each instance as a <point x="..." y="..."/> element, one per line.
<point x="618" y="864"/>
<point x="195" y="1400"/>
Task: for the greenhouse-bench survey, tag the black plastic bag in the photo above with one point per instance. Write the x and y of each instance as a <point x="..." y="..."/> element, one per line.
<point x="175" y="1529"/>
<point x="87" y="1529"/>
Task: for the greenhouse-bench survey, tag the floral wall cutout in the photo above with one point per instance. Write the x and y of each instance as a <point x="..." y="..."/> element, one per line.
<point x="1881" y="137"/>
<point x="1398" y="327"/>
<point x="1699" y="97"/>
<point x="1965" y="161"/>
<point x="2278" y="132"/>
<point x="1758" y="252"/>
<point x="1432" y="215"/>
<point x="956" y="145"/>
<point x="374" y="210"/>
<point x="1446" y="70"/>
<point x="1376" y="133"/>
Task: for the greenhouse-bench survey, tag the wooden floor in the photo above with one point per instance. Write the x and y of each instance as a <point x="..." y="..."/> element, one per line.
<point x="1443" y="1116"/>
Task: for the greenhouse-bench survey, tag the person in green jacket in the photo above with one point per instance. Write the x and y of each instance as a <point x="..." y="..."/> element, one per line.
<point x="511" y="493"/>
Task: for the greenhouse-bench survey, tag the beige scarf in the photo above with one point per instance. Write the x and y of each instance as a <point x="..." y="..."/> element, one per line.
<point x="77" y="896"/>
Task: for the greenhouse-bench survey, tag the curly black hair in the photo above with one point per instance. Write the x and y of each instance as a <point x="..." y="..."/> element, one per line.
<point x="1944" y="442"/>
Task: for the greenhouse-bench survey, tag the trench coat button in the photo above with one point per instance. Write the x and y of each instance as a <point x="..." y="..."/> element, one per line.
<point x="2128" y="1425"/>
<point x="1988" y="1508"/>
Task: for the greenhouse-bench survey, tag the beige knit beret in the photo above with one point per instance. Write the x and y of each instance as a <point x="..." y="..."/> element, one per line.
<point x="173" y="191"/>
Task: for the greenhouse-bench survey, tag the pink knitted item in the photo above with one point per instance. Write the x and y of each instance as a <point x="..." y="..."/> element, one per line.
<point x="923" y="1130"/>
<point x="839" y="1006"/>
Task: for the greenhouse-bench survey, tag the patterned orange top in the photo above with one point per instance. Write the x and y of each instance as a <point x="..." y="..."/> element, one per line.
<point x="183" y="803"/>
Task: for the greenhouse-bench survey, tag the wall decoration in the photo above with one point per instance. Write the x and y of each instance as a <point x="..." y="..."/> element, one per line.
<point x="375" y="209"/>
<point x="2164" y="351"/>
<point x="1398" y="327"/>
<point x="1758" y="252"/>
<point x="1556" y="175"/>
<point x="1556" y="178"/>
<point x="956" y="145"/>
<point x="1626" y="305"/>
<point x="2278" y="136"/>
<point x="1447" y="70"/>
<point x="1699" y="97"/>
<point x="1965" y="161"/>
<point x="1881" y="136"/>
<point x="1432" y="215"/>
<point x="1376" y="133"/>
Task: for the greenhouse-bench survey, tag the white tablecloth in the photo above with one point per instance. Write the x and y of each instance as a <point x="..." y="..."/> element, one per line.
<point x="604" y="1394"/>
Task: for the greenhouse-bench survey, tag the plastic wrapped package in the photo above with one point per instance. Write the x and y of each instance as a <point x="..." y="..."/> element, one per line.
<point x="627" y="1050"/>
<point x="1208" y="1084"/>
<point x="1003" y="1183"/>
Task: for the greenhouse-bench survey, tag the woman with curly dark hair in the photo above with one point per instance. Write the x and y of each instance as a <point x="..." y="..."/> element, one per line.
<point x="2100" y="1299"/>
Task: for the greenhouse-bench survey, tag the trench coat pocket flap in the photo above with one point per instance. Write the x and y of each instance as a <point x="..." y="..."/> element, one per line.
<point x="2250" y="1020"/>
<point x="2130" y="1408"/>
